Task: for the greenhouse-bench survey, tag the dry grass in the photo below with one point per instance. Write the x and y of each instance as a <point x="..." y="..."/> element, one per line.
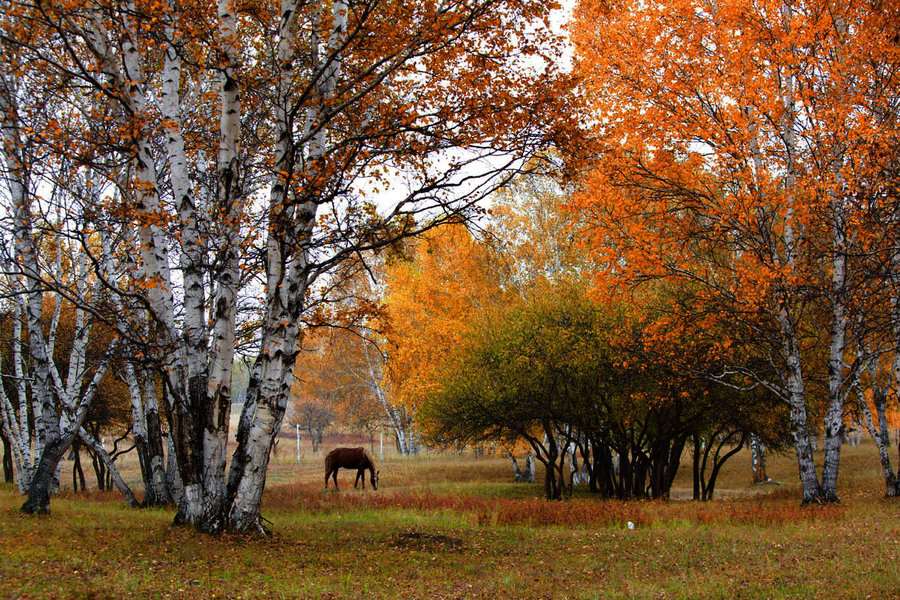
<point x="447" y="526"/>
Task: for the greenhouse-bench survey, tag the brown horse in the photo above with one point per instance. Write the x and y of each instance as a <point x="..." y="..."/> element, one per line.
<point x="350" y="458"/>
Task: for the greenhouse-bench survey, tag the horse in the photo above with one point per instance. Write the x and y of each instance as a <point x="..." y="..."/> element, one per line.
<point x="350" y="458"/>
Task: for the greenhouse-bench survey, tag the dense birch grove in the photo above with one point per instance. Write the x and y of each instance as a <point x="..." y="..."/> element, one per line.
<point x="207" y="164"/>
<point x="751" y="155"/>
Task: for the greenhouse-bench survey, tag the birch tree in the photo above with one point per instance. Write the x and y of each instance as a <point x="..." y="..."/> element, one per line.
<point x="244" y="143"/>
<point x="741" y="163"/>
<point x="59" y="410"/>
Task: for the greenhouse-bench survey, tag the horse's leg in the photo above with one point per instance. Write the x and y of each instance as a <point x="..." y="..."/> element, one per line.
<point x="361" y="474"/>
<point x="356" y="481"/>
<point x="336" y="469"/>
<point x="327" y="475"/>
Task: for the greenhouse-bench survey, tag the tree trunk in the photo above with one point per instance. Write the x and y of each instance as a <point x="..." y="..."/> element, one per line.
<point x="882" y="423"/>
<point x="162" y="491"/>
<point x="518" y="477"/>
<point x="718" y="461"/>
<point x="288" y="277"/>
<point x="695" y="470"/>
<point x="215" y="414"/>
<point x="77" y="471"/>
<point x="173" y="479"/>
<point x="44" y="478"/>
<point x="146" y="434"/>
<point x="256" y="433"/>
<point x="13" y="427"/>
<point x="99" y="471"/>
<point x="809" y="479"/>
<point x="7" y="456"/>
<point x="758" y="460"/>
<point x="530" y="468"/>
<point x="834" y="419"/>
<point x="110" y="467"/>
<point x="264" y="408"/>
<point x="890" y="479"/>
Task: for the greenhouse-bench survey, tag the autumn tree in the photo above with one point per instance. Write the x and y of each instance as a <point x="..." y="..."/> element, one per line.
<point x="343" y="361"/>
<point x="57" y="357"/>
<point x="745" y="147"/>
<point x="315" y="418"/>
<point x="449" y="277"/>
<point x="233" y="141"/>
<point x="498" y="383"/>
<point x="532" y="235"/>
<point x="547" y="370"/>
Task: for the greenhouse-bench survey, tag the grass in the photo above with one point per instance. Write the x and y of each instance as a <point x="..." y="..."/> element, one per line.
<point x="453" y="527"/>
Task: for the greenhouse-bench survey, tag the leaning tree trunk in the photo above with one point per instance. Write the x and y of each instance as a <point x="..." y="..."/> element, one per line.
<point x="718" y="461"/>
<point x="290" y="231"/>
<point x="260" y="422"/>
<point x="44" y="478"/>
<point x="269" y="388"/>
<point x="879" y="394"/>
<point x="111" y="469"/>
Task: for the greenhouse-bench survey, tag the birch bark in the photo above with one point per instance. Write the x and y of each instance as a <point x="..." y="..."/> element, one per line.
<point x="834" y="419"/>
<point x="228" y="200"/>
<point x="890" y="479"/>
<point x="786" y="295"/>
<point x="288" y="277"/>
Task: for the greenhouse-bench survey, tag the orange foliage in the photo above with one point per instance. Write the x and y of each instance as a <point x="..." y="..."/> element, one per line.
<point x="746" y="146"/>
<point x="729" y="129"/>
<point x="430" y="304"/>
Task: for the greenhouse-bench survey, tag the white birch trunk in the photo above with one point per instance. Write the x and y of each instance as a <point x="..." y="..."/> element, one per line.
<point x="834" y="419"/>
<point x="191" y="250"/>
<point x="142" y="409"/>
<point x="26" y="447"/>
<point x="372" y="379"/>
<point x="228" y="199"/>
<point x="758" y="460"/>
<point x="21" y="444"/>
<point x="22" y="389"/>
<point x="154" y="438"/>
<point x="186" y="380"/>
<point x="46" y="423"/>
<point x="287" y="251"/>
<point x="796" y="395"/>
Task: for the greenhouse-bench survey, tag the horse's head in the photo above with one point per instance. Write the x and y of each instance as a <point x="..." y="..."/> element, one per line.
<point x="375" y="479"/>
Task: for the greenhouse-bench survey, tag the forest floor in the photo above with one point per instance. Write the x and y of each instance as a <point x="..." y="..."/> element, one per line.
<point x="450" y="526"/>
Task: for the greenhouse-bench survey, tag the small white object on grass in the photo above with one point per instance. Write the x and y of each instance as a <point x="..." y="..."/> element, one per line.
<point x="630" y="525"/>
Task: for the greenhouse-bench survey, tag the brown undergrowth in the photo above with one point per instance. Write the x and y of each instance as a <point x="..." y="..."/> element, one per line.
<point x="588" y="512"/>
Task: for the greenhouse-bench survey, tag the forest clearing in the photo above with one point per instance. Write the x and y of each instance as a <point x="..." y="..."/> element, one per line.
<point x="445" y="526"/>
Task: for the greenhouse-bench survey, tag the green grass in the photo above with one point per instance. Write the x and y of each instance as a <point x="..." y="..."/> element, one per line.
<point x="453" y="527"/>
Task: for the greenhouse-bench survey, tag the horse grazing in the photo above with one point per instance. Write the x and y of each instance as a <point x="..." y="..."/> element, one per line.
<point x="350" y="458"/>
